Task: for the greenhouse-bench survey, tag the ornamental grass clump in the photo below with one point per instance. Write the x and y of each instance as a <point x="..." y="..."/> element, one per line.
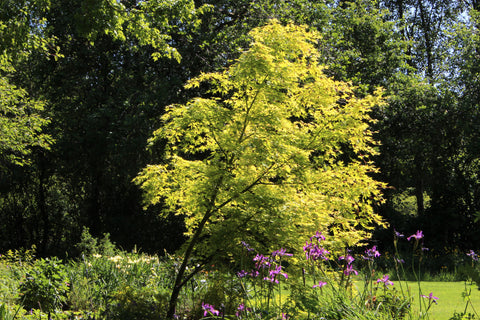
<point x="121" y="284"/>
<point x="330" y="286"/>
<point x="336" y="285"/>
<point x="473" y="273"/>
<point x="261" y="278"/>
<point x="418" y="250"/>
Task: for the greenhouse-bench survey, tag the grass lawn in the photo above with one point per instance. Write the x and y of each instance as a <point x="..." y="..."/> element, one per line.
<point x="449" y="297"/>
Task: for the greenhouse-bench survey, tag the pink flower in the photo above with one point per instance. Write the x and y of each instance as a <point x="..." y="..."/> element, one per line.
<point x="430" y="297"/>
<point x="209" y="308"/>
<point x="371" y="254"/>
<point x="349" y="270"/>
<point x="385" y="280"/>
<point x="473" y="255"/>
<point x="282" y="252"/>
<point x="418" y="235"/>
<point x="348" y="258"/>
<point x="320" y="284"/>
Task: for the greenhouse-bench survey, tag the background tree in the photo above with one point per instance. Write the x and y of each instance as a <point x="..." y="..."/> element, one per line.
<point x="119" y="70"/>
<point x="101" y="100"/>
<point x="21" y="118"/>
<point x="426" y="125"/>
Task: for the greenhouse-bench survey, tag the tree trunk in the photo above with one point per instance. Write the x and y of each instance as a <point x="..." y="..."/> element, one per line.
<point x="427" y="33"/>
<point x="419" y="195"/>
<point x="419" y="185"/>
<point x="43" y="206"/>
<point x="179" y="282"/>
<point x="94" y="207"/>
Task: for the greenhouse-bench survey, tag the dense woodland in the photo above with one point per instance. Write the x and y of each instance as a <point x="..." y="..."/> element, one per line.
<point x="83" y="85"/>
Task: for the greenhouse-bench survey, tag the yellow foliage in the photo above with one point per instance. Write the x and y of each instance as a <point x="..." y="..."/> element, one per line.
<point x="277" y="151"/>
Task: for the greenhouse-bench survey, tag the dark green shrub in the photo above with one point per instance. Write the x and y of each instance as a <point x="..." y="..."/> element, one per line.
<point x="45" y="285"/>
<point x="13" y="266"/>
<point x="89" y="245"/>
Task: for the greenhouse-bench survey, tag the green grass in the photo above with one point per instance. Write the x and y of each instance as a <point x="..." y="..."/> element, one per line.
<point x="449" y="295"/>
<point x="450" y="298"/>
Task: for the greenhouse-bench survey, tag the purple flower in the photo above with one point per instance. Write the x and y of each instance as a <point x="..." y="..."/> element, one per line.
<point x="209" y="308"/>
<point x="349" y="270"/>
<point x="430" y="297"/>
<point x="418" y="235"/>
<point x="385" y="280"/>
<point x="285" y="316"/>
<point x="371" y="254"/>
<point x="275" y="271"/>
<point x="240" y="308"/>
<point x="398" y="234"/>
<point x="399" y="260"/>
<point x="254" y="273"/>
<point x="320" y="284"/>
<point x="318" y="236"/>
<point x="272" y="274"/>
<point x="271" y="279"/>
<point x="261" y="261"/>
<point x="348" y="258"/>
<point x="282" y="252"/>
<point x="473" y="255"/>
<point x="314" y="252"/>
<point x="242" y="274"/>
<point x="247" y="246"/>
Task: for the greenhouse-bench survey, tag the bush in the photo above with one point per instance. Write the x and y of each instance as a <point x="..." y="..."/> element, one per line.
<point x="89" y="245"/>
<point x="137" y="304"/>
<point x="45" y="285"/>
<point x="13" y="266"/>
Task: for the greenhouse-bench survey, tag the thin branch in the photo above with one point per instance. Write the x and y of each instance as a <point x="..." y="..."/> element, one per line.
<point x="190" y="276"/>
<point x="210" y="127"/>
<point x="247" y="111"/>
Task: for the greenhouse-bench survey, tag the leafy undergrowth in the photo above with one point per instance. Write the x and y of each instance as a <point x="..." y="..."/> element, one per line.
<point x="106" y="283"/>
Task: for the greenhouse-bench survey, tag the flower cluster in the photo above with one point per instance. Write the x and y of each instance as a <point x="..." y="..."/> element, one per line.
<point x="348" y="268"/>
<point x="385" y="280"/>
<point x="314" y="251"/>
<point x="262" y="262"/>
<point x="272" y="274"/>
<point x="267" y="266"/>
<point x="371" y="254"/>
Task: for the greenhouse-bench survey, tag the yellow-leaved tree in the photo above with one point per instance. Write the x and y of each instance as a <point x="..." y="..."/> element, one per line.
<point x="274" y="151"/>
